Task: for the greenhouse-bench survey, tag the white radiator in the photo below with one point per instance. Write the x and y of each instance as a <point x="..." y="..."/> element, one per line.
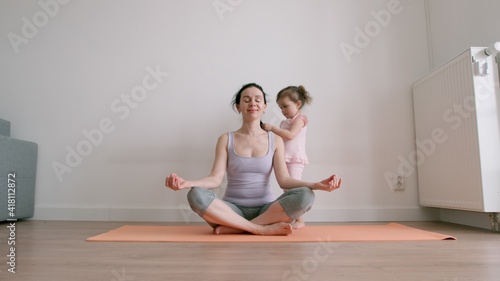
<point x="457" y="123"/>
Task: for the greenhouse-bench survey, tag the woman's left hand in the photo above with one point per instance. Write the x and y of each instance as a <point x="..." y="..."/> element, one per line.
<point x="329" y="184"/>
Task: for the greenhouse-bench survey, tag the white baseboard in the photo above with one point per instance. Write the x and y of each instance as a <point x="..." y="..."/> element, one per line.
<point x="185" y="215"/>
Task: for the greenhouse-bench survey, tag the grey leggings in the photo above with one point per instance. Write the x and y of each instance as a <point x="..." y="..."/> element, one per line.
<point x="295" y="202"/>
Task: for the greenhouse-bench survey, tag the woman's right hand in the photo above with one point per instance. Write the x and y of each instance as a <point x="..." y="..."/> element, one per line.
<point x="175" y="182"/>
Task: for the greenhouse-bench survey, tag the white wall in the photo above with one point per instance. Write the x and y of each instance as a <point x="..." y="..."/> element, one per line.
<point x="456" y="25"/>
<point x="68" y="67"/>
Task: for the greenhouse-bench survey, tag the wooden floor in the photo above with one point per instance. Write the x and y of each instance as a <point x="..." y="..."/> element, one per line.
<point x="56" y="250"/>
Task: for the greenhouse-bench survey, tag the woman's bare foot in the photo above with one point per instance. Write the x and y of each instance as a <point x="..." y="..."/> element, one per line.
<point x="298" y="223"/>
<point x="280" y="228"/>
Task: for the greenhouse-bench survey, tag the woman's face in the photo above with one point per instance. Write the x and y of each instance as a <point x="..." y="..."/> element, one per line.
<point x="288" y="107"/>
<point x="251" y="103"/>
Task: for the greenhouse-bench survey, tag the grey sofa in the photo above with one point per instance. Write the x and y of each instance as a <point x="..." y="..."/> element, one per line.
<point x="17" y="157"/>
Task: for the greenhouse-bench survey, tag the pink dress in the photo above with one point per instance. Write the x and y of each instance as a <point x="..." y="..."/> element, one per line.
<point x="295" y="149"/>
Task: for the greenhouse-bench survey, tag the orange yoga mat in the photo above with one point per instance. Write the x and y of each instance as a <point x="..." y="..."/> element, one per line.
<point x="311" y="233"/>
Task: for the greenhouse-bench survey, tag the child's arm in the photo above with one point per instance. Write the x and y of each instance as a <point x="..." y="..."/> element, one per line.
<point x="297" y="124"/>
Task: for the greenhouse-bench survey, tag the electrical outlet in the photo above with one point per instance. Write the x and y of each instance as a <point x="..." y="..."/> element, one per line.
<point x="398" y="183"/>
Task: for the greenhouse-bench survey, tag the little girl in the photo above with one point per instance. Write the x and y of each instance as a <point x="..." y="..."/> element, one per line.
<point x="293" y="131"/>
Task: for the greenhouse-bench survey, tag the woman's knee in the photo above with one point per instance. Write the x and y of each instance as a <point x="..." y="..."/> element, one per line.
<point x="199" y="199"/>
<point x="297" y="201"/>
<point x="307" y="197"/>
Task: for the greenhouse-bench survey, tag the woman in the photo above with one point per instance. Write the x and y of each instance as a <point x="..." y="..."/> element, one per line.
<point x="248" y="155"/>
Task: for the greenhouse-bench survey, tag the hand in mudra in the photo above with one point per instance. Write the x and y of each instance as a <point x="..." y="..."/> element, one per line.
<point x="329" y="184"/>
<point x="175" y="182"/>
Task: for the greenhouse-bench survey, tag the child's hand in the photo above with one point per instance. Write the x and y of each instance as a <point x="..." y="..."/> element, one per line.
<point x="266" y="127"/>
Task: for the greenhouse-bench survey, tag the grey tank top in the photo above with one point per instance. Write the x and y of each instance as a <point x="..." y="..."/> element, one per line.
<point x="248" y="177"/>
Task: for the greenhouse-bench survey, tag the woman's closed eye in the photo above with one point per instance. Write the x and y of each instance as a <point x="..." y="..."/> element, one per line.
<point x="249" y="100"/>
